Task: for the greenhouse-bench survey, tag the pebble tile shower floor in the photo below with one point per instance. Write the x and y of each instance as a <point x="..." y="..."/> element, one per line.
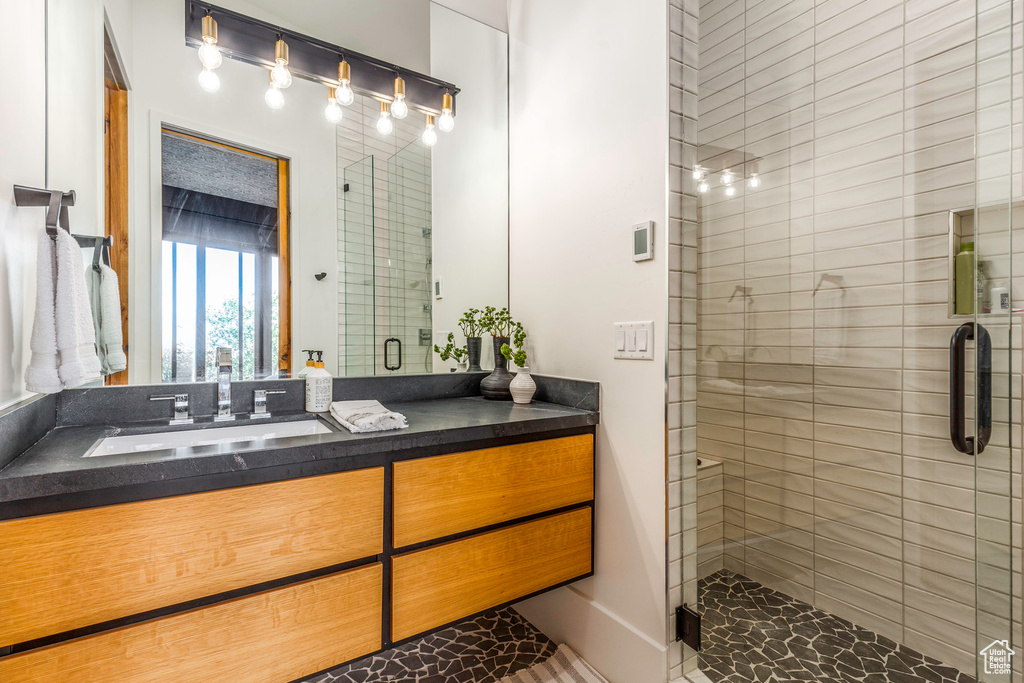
<point x="754" y="633"/>
<point x="481" y="650"/>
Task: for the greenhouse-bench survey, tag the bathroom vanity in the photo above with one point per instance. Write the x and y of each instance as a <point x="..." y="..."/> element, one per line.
<point x="271" y="560"/>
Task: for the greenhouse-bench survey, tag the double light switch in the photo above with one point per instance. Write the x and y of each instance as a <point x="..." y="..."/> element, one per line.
<point x="634" y="341"/>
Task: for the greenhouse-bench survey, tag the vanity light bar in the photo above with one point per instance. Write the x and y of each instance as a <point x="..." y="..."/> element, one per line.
<point x="252" y="41"/>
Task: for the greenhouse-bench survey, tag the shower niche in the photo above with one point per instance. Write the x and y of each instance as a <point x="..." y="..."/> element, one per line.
<point x="991" y="273"/>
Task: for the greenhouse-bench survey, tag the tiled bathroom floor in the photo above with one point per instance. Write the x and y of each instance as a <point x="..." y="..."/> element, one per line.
<point x="481" y="650"/>
<point x="753" y="633"/>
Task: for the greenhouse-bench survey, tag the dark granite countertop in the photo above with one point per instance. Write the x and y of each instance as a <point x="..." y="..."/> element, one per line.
<point x="52" y="475"/>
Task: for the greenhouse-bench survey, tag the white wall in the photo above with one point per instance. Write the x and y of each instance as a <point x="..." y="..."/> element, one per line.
<point x="470" y="173"/>
<point x="22" y="161"/>
<point x="589" y="133"/>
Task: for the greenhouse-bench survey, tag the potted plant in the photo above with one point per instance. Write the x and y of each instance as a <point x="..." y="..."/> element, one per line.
<point x="452" y="351"/>
<point x="499" y="323"/>
<point x="471" y="327"/>
<point x="522" y="386"/>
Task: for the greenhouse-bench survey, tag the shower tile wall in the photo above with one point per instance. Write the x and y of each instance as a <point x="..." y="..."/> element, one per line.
<point x="682" y="371"/>
<point x="828" y="410"/>
<point x="395" y="308"/>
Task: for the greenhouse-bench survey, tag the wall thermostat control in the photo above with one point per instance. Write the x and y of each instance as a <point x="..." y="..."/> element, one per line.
<point x="438" y="288"/>
<point x="643" y="241"/>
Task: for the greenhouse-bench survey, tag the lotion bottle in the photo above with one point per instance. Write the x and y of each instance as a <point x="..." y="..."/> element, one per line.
<point x="309" y="364"/>
<point x="319" y="387"/>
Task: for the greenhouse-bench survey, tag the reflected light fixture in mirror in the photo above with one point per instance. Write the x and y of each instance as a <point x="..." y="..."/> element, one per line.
<point x="447" y="121"/>
<point x="384" y="124"/>
<point x="344" y="92"/>
<point x="333" y="111"/>
<point x="274" y="97"/>
<point x="210" y="56"/>
<point x="399" y="109"/>
<point x="280" y="74"/>
<point x="429" y="134"/>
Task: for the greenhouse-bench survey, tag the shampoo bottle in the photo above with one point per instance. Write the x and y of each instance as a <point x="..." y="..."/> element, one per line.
<point x="309" y="364"/>
<point x="966" y="274"/>
<point x="319" y="387"/>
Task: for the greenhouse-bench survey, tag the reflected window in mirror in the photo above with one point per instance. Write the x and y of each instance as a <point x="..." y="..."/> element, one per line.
<point x="223" y="235"/>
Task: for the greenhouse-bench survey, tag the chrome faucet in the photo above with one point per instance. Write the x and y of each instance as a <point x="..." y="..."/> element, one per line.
<point x="223" y="385"/>
<point x="260" y="404"/>
<point x="180" y="408"/>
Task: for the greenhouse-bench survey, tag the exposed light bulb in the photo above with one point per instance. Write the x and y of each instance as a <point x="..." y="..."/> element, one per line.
<point x="274" y="97"/>
<point x="754" y="181"/>
<point x="447" y="121"/>
<point x="209" y="81"/>
<point x="703" y="188"/>
<point x="344" y="93"/>
<point x="399" y="109"/>
<point x="429" y="134"/>
<point x="726" y="178"/>
<point x="333" y="112"/>
<point x="698" y="173"/>
<point x="384" y="124"/>
<point x="280" y="74"/>
<point x="209" y="55"/>
<point x="730" y="191"/>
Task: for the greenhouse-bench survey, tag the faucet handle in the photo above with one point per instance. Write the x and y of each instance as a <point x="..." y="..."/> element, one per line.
<point x="260" y="403"/>
<point x="180" y="408"/>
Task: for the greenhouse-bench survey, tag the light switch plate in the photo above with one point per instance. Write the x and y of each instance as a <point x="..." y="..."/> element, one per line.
<point x="636" y="338"/>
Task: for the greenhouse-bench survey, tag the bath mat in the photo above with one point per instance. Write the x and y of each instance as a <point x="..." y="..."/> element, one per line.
<point x="565" y="666"/>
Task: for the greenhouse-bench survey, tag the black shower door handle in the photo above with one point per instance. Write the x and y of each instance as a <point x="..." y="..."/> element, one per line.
<point x="957" y="388"/>
<point x="387" y="359"/>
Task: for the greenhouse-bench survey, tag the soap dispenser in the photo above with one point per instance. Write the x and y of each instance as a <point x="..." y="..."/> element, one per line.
<point x="319" y="387"/>
<point x="309" y="364"/>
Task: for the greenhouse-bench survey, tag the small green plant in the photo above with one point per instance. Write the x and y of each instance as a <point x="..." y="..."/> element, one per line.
<point x="470" y="323"/>
<point x="498" y="322"/>
<point x="518" y="356"/>
<point x="450" y="350"/>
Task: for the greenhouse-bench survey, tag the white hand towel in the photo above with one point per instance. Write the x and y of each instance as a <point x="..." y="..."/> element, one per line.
<point x="366" y="416"/>
<point x="76" y="337"/>
<point x="105" y="300"/>
<point x="41" y="375"/>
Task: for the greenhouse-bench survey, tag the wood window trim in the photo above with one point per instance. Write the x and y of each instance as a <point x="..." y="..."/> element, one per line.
<point x="116" y="217"/>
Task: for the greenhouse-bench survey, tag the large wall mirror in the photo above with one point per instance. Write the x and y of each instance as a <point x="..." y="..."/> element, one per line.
<point x="251" y="216"/>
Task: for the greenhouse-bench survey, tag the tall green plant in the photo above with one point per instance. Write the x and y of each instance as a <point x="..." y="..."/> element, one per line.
<point x="470" y="323"/>
<point x="450" y="350"/>
<point x="518" y="355"/>
<point x="498" y="322"/>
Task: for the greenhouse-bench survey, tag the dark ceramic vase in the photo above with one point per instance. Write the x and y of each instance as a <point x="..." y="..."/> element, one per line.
<point x="473" y="348"/>
<point x="495" y="385"/>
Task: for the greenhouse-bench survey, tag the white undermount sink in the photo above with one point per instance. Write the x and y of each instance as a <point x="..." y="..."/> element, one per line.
<point x="213" y="436"/>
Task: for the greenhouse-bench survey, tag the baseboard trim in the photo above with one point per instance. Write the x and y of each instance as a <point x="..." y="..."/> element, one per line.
<point x="614" y="647"/>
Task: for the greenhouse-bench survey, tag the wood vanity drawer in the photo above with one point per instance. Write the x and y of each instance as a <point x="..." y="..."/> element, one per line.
<point x="449" y="494"/>
<point x="443" y="583"/>
<point x="270" y="637"/>
<point x="67" y="570"/>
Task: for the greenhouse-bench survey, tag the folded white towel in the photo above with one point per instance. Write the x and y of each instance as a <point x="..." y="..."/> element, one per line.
<point x="105" y="300"/>
<point x="41" y="375"/>
<point x="366" y="416"/>
<point x="76" y="336"/>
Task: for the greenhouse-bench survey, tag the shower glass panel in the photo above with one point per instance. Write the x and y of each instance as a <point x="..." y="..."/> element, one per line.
<point x="409" y="249"/>
<point x="844" y="153"/>
<point x="386" y="284"/>
<point x="356" y="283"/>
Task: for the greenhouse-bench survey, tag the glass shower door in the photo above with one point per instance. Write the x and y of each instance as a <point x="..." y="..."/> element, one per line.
<point x="996" y="358"/>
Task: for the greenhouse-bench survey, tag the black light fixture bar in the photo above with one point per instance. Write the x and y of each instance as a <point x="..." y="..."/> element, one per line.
<point x="250" y="40"/>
